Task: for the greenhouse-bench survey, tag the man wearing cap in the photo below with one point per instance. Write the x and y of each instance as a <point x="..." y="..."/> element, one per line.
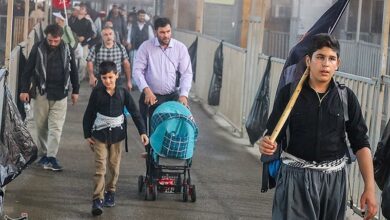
<point x="118" y="22"/>
<point x="68" y="35"/>
<point x="100" y="20"/>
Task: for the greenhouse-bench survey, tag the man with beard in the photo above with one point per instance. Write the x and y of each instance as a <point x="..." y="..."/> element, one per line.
<point x="50" y="68"/>
<point x="109" y="50"/>
<point x="162" y="69"/>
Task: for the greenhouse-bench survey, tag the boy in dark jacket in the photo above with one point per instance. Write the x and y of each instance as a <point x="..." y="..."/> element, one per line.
<point x="104" y="129"/>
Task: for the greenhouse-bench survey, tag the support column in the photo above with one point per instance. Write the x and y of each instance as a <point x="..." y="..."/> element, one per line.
<point x="359" y="21"/>
<point x="8" y="38"/>
<point x="383" y="67"/>
<point x="26" y="19"/>
<point x="199" y="16"/>
<point x="254" y="47"/>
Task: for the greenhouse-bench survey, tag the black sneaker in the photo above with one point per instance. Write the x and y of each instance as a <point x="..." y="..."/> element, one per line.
<point x="52" y="164"/>
<point x="42" y="161"/>
<point x="97" y="207"/>
<point x="109" y="199"/>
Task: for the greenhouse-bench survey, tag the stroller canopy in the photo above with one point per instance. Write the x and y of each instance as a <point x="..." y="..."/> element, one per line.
<point x="173" y="131"/>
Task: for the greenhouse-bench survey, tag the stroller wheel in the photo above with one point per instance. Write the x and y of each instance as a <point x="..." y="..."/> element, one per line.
<point x="154" y="193"/>
<point x="149" y="192"/>
<point x="192" y="193"/>
<point x="185" y="193"/>
<point x="140" y="183"/>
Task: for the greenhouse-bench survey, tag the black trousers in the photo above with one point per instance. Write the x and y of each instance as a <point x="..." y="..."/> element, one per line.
<point x="147" y="111"/>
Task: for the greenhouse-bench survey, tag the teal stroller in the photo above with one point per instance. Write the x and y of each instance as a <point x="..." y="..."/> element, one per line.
<point x="173" y="134"/>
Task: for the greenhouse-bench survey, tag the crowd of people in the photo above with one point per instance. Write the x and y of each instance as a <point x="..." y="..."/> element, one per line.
<point x="102" y="48"/>
<point x="130" y="30"/>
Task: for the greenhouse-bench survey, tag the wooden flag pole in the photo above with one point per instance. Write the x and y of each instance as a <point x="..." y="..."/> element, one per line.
<point x="289" y="107"/>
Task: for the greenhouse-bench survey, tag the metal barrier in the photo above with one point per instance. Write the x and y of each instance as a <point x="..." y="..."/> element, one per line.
<point x="232" y="91"/>
<point x="276" y="43"/>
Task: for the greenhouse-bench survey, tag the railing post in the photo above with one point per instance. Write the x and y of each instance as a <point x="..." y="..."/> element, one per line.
<point x="384" y="46"/>
<point x="254" y="48"/>
<point x="8" y="38"/>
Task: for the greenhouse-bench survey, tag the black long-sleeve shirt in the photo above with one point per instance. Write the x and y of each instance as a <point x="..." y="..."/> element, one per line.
<point x="83" y="28"/>
<point x="102" y="102"/>
<point x="317" y="128"/>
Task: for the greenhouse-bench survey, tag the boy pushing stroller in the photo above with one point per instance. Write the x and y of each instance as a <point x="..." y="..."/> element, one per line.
<point x="105" y="128"/>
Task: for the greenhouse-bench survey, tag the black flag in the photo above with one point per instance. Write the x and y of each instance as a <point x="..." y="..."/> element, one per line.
<point x="295" y="66"/>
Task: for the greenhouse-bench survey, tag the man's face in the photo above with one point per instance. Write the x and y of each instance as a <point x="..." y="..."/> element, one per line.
<point x="115" y="10"/>
<point x="53" y="42"/>
<point x="109" y="80"/>
<point x="323" y="64"/>
<point x="164" y="35"/>
<point x="108" y="35"/>
<point x="141" y="17"/>
<point x="83" y="10"/>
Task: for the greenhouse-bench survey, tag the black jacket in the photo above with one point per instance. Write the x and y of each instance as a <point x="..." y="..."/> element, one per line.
<point x="317" y="128"/>
<point x="35" y="71"/>
<point x="112" y="106"/>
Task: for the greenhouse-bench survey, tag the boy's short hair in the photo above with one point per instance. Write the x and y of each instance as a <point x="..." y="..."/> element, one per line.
<point x="107" y="67"/>
<point x="161" y="22"/>
<point x="324" y="40"/>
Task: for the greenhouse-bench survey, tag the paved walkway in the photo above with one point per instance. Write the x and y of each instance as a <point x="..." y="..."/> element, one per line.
<point x="225" y="172"/>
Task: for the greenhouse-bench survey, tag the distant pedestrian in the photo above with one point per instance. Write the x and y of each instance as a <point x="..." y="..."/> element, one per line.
<point x="104" y="129"/>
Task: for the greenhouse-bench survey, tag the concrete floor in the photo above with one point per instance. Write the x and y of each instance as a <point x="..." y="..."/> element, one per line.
<point x="225" y="171"/>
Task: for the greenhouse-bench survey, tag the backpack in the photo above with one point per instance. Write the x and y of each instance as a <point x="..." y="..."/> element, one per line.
<point x="122" y="96"/>
<point x="271" y="164"/>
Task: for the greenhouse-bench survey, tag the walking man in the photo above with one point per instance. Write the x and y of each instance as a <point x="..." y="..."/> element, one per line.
<point x="50" y="68"/>
<point x="311" y="182"/>
<point x="162" y="69"/>
<point x="109" y="50"/>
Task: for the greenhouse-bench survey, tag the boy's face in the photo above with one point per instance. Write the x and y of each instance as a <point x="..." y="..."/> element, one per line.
<point x="323" y="64"/>
<point x="109" y="80"/>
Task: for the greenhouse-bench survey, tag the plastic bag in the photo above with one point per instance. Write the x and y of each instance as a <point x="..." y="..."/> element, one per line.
<point x="216" y="80"/>
<point x="258" y="115"/>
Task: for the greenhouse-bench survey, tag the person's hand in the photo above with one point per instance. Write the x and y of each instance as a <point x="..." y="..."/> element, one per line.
<point x="183" y="100"/>
<point x="24" y="97"/>
<point x="150" y="98"/>
<point x="128" y="46"/>
<point x="75" y="98"/>
<point x="91" y="143"/>
<point x="368" y="204"/>
<point x="129" y="85"/>
<point x="266" y="146"/>
<point x="144" y="139"/>
<point x="92" y="80"/>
